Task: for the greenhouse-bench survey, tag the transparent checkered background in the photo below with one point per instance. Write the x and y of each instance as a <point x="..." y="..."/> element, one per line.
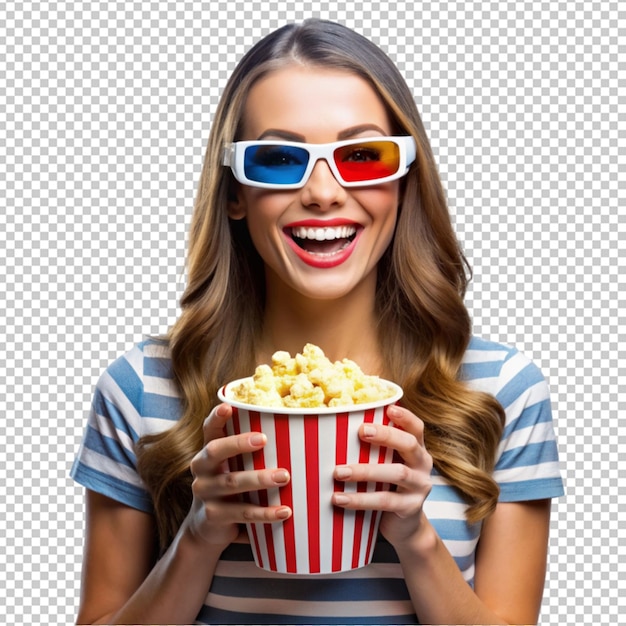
<point x="104" y="113"/>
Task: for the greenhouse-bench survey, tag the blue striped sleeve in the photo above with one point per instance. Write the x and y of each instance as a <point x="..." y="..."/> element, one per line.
<point x="536" y="413"/>
<point x="528" y="464"/>
<point x="524" y="379"/>
<point x="162" y="407"/>
<point x="534" y="489"/>
<point x="108" y="446"/>
<point x="114" y="488"/>
<point x="529" y="454"/>
<point x="128" y="381"/>
<point x="106" y="460"/>
<point x="105" y="407"/>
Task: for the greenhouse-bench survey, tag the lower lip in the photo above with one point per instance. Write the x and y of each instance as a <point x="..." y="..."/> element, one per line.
<point x="324" y="261"/>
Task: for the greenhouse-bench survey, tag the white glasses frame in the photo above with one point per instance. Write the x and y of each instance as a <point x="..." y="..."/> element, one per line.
<point x="234" y="154"/>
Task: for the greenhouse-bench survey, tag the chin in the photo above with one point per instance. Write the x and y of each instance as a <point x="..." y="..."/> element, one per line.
<point x="326" y="290"/>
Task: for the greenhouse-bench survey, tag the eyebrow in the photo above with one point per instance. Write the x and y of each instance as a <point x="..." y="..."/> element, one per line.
<point x="348" y="133"/>
<point x="357" y="130"/>
<point x="282" y="134"/>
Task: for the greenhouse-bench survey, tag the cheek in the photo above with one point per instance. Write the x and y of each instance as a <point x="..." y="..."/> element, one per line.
<point x="265" y="203"/>
<point x="263" y="213"/>
<point x="382" y="203"/>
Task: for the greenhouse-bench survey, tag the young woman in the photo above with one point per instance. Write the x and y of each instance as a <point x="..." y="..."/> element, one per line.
<point x="320" y="217"/>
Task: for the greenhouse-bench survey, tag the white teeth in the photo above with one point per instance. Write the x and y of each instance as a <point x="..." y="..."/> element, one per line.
<point x="324" y="233"/>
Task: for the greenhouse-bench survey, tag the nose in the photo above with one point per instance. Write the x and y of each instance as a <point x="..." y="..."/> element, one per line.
<point x="323" y="191"/>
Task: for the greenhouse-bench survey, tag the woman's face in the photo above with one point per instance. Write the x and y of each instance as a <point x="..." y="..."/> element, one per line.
<point x="317" y="105"/>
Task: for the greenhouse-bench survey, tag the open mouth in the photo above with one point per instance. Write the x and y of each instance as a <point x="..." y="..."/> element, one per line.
<point x="327" y="240"/>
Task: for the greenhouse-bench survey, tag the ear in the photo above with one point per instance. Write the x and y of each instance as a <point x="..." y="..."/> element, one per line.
<point x="237" y="206"/>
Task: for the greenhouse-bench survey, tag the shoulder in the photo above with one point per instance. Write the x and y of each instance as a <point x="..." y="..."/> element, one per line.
<point x="134" y="396"/>
<point x="141" y="382"/>
<point x="149" y="358"/>
<point x="515" y="381"/>
<point x="501" y="370"/>
<point x="486" y="356"/>
<point x="527" y="464"/>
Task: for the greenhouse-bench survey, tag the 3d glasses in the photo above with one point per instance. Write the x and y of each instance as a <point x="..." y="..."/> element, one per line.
<point x="287" y="165"/>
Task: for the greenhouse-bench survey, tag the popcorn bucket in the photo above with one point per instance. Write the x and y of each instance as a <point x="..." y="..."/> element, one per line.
<point x="318" y="538"/>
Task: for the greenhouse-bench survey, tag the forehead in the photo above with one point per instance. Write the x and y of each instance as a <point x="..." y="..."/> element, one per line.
<point x="313" y="102"/>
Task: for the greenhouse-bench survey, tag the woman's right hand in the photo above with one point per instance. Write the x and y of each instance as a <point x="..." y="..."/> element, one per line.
<point x="216" y="511"/>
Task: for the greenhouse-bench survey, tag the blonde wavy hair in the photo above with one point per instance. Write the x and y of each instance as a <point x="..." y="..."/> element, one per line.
<point x="422" y="279"/>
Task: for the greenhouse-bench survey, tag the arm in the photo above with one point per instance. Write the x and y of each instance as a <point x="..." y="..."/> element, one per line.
<point x="509" y="577"/>
<point x="511" y="559"/>
<point x="122" y="581"/>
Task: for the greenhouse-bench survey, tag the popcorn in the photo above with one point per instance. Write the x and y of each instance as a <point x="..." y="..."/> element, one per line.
<point x="310" y="380"/>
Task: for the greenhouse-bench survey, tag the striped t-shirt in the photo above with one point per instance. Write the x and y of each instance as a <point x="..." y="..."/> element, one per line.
<point x="136" y="396"/>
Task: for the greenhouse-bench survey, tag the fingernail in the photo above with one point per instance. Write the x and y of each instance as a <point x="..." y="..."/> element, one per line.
<point x="340" y="498"/>
<point x="343" y="472"/>
<point x="283" y="513"/>
<point x="369" y="430"/>
<point x="280" y="476"/>
<point x="393" y="411"/>
<point x="257" y="439"/>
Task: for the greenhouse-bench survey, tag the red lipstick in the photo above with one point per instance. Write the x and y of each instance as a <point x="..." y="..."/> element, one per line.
<point x="314" y="255"/>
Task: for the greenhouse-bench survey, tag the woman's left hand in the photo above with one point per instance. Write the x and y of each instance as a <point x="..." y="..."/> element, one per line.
<point x="402" y="506"/>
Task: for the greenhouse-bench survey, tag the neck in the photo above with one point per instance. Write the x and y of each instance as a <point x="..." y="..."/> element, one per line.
<point x="342" y="328"/>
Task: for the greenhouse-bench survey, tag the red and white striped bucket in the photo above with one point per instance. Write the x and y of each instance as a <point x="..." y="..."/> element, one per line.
<point x="318" y="538"/>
